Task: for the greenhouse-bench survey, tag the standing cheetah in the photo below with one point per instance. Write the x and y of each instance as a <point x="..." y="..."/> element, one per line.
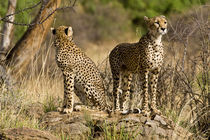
<point x="79" y="72"/>
<point x="143" y="57"/>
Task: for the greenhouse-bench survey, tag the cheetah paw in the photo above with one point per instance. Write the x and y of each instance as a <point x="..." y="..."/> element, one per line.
<point x="156" y="111"/>
<point x="125" y="112"/>
<point x="67" y="110"/>
<point x="136" y="111"/>
<point x="146" y="113"/>
<point x="60" y="109"/>
<point x="81" y="107"/>
<point x="78" y="108"/>
<point x="117" y="109"/>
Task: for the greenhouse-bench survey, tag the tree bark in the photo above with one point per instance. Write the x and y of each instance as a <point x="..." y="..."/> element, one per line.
<point x="7" y="30"/>
<point x="25" y="49"/>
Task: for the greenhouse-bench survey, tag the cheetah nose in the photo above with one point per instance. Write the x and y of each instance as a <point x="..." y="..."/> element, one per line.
<point x="163" y="29"/>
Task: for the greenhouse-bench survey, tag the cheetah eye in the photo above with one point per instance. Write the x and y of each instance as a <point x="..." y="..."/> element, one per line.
<point x="165" y="22"/>
<point x="157" y="22"/>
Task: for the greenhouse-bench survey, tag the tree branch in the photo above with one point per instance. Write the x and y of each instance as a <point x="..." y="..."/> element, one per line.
<point x="42" y="20"/>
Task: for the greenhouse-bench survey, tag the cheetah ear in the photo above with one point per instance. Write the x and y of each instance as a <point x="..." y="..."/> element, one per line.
<point x="146" y="18"/>
<point x="162" y="16"/>
<point x="66" y="31"/>
<point x="70" y="31"/>
<point x="53" y="31"/>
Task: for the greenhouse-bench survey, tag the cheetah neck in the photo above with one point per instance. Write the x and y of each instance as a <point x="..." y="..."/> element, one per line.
<point x="65" y="42"/>
<point x="155" y="38"/>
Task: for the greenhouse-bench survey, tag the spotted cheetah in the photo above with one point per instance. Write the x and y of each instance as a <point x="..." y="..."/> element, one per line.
<point x="79" y="72"/>
<point x="143" y="57"/>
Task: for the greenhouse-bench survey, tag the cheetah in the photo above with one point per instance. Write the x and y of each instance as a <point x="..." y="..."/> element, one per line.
<point x="144" y="57"/>
<point x="79" y="72"/>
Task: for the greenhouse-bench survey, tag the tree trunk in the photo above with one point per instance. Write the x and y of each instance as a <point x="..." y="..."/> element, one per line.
<point x="25" y="49"/>
<point x="7" y="30"/>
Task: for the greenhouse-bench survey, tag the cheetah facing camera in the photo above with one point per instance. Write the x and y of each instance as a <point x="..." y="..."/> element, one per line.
<point x="79" y="72"/>
<point x="143" y="57"/>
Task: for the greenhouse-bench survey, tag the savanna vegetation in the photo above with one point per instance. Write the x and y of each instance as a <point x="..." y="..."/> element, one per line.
<point x="183" y="92"/>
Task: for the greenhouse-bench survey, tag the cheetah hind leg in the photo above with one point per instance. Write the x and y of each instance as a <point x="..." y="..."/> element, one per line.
<point x="84" y="103"/>
<point x="146" y="110"/>
<point x="126" y="82"/>
<point x="116" y="91"/>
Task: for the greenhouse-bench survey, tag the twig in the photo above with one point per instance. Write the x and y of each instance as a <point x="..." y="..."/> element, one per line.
<point x="41" y="21"/>
<point x="20" y="11"/>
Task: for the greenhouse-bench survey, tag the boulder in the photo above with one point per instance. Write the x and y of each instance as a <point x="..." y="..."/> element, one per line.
<point x="26" y="134"/>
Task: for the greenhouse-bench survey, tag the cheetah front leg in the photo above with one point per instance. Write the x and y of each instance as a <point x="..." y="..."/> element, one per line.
<point x="154" y="80"/>
<point x="145" y="111"/>
<point x="68" y="91"/>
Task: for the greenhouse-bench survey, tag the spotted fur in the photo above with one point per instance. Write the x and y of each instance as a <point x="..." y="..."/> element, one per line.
<point x="143" y="57"/>
<point x="79" y="72"/>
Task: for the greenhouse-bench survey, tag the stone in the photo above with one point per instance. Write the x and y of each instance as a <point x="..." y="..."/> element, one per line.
<point x="91" y="124"/>
<point x="131" y="118"/>
<point x="160" y="131"/>
<point x="152" y="123"/>
<point x="26" y="134"/>
<point x="143" y="119"/>
<point x="160" y="119"/>
<point x="147" y="131"/>
<point x="72" y="125"/>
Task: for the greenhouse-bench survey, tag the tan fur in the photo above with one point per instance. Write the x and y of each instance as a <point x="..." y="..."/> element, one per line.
<point x="143" y="57"/>
<point x="79" y="72"/>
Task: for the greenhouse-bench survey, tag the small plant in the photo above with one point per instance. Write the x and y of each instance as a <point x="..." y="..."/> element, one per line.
<point x="112" y="133"/>
<point x="51" y="103"/>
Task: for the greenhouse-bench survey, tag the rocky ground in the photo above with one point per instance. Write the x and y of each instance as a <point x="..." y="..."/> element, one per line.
<point x="93" y="124"/>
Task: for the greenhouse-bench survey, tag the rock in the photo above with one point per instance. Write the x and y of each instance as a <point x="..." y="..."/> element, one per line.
<point x="72" y="125"/>
<point x="131" y="118"/>
<point x="152" y="123"/>
<point x="147" y="131"/>
<point x="160" y="131"/>
<point x="94" y="124"/>
<point x="143" y="119"/>
<point x="160" y="119"/>
<point x="26" y="134"/>
<point x="165" y="122"/>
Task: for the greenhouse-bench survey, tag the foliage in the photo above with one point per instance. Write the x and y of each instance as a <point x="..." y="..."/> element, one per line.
<point x="23" y="17"/>
<point x="137" y="9"/>
<point x="129" y="12"/>
<point x="105" y="18"/>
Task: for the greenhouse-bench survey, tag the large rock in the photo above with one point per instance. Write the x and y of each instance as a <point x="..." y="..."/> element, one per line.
<point x="26" y="134"/>
<point x="94" y="124"/>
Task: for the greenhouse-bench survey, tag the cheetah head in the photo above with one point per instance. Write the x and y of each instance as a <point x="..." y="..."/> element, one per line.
<point x="156" y="25"/>
<point x="63" y="31"/>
